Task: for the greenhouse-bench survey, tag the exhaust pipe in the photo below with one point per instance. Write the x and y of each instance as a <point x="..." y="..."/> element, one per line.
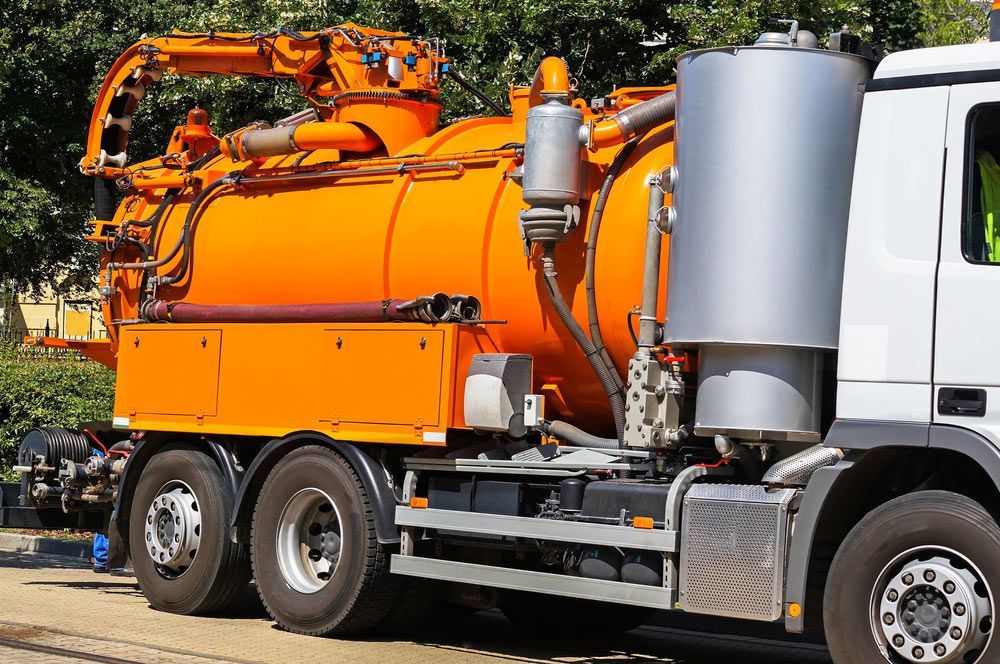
<point x="798" y="468"/>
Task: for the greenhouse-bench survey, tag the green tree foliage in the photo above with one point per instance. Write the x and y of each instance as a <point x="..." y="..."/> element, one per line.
<point x="952" y="22"/>
<point x="37" y="391"/>
<point x="54" y="54"/>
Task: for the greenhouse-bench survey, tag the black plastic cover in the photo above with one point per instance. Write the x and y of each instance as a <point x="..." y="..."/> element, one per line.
<point x="638" y="498"/>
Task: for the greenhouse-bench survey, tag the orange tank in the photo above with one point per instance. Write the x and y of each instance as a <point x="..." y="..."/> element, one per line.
<point x="446" y="221"/>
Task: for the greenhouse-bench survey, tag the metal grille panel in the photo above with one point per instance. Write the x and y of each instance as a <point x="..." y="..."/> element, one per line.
<point x="733" y="540"/>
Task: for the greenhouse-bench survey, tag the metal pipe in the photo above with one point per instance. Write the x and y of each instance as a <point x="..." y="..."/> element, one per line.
<point x="798" y="468"/>
<point x="648" y="324"/>
<point x="435" y="308"/>
<point x="272" y="142"/>
<point x="551" y="79"/>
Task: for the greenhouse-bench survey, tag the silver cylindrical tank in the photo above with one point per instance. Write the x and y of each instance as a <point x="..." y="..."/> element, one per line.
<point x="552" y="155"/>
<point x="765" y="148"/>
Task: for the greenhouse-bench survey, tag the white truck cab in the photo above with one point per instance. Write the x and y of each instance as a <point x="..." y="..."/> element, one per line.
<point x="918" y="326"/>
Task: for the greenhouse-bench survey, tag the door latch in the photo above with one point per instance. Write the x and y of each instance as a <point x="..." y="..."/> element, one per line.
<point x="963" y="401"/>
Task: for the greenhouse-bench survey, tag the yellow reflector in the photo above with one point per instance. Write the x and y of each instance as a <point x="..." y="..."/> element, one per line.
<point x="794" y="610"/>
<point x="418" y="503"/>
<point x="644" y="522"/>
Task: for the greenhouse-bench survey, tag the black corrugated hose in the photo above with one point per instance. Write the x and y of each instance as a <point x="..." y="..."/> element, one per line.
<point x="604" y="374"/>
<point x="592" y="233"/>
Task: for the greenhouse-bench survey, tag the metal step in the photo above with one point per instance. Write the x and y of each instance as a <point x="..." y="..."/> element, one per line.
<point x="543" y="529"/>
<point x="539" y="582"/>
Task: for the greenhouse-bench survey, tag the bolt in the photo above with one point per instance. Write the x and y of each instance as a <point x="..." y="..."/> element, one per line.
<point x="956" y="633"/>
<point x="960" y="609"/>
<point x="888" y="619"/>
<point x="929" y="576"/>
<point x="908" y="579"/>
<point x="918" y="652"/>
<point x="893" y="595"/>
<point x="898" y="641"/>
<point x="940" y="650"/>
<point x="949" y="587"/>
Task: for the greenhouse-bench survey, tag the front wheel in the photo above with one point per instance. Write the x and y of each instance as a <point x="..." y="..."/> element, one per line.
<point x="319" y="567"/>
<point x="913" y="582"/>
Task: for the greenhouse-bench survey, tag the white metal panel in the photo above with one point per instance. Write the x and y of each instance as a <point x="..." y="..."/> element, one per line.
<point x="888" y="303"/>
<point x="968" y="318"/>
<point x="940" y="60"/>
<point x="897" y="402"/>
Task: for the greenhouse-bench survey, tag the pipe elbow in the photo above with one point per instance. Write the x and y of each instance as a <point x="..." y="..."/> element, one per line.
<point x="335" y="136"/>
<point x="551" y="79"/>
<point x="259" y="143"/>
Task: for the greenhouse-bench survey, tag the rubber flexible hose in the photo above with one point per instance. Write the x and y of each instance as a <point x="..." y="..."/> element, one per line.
<point x="592" y="234"/>
<point x="186" y="238"/>
<point x="579" y="437"/>
<point x="639" y="119"/>
<point x="634" y="121"/>
<point x="604" y="375"/>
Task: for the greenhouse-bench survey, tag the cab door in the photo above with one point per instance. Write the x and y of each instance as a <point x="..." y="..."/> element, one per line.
<point x="966" y="370"/>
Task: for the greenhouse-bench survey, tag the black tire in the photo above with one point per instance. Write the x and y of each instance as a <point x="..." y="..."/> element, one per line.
<point x="932" y="519"/>
<point x="418" y="603"/>
<point x="220" y="569"/>
<point x="360" y="592"/>
<point x="535" y="612"/>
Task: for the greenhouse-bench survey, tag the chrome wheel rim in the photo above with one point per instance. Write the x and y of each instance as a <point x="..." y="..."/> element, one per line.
<point x="173" y="529"/>
<point x="308" y="541"/>
<point x="931" y="605"/>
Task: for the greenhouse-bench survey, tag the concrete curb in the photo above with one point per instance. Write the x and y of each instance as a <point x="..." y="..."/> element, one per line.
<point x="13" y="542"/>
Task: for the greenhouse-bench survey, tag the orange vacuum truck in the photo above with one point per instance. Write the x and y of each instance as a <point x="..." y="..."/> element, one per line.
<point x="366" y="359"/>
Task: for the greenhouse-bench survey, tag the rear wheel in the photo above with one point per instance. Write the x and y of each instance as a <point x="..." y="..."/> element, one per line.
<point x="317" y="561"/>
<point x="914" y="582"/>
<point x="184" y="559"/>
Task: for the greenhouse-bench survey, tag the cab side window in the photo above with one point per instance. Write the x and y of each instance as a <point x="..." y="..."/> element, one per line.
<point x="981" y="225"/>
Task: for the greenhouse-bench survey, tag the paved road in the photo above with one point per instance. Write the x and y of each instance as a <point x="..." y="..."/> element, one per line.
<point x="54" y="610"/>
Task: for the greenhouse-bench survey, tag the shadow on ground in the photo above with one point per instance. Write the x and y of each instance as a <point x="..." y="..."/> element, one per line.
<point x="489" y="633"/>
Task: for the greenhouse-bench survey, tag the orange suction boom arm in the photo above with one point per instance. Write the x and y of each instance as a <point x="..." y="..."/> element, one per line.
<point x="325" y="63"/>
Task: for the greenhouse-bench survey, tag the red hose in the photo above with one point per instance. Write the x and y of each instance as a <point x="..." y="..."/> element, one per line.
<point x="432" y="309"/>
